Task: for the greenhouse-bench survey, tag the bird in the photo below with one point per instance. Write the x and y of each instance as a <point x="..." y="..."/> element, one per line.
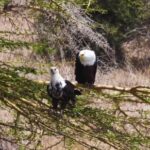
<point x="85" y="67"/>
<point x="61" y="91"/>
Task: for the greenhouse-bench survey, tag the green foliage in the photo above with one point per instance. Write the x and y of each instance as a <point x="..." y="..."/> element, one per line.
<point x="39" y="48"/>
<point x="5" y="43"/>
<point x="33" y="119"/>
<point x="46" y="5"/>
<point x="25" y="70"/>
<point x="42" y="48"/>
<point x="10" y="77"/>
<point x="115" y="17"/>
<point x="3" y="2"/>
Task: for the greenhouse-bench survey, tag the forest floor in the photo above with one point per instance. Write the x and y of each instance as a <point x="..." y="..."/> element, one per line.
<point x="113" y="115"/>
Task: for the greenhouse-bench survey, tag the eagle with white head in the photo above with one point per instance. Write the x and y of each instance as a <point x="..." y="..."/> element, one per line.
<point x="86" y="67"/>
<point x="61" y="91"/>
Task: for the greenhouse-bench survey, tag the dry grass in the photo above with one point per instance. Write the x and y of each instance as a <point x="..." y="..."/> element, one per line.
<point x="137" y="48"/>
<point x="117" y="77"/>
<point x="124" y="77"/>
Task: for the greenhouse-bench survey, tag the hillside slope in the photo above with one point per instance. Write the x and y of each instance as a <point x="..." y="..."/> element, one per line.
<point x="105" y="117"/>
<point x="113" y="115"/>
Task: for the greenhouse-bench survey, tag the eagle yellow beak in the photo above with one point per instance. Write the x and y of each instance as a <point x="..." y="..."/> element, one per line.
<point x="82" y="56"/>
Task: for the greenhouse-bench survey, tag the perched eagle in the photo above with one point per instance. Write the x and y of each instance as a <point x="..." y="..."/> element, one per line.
<point x="61" y="91"/>
<point x="85" y="67"/>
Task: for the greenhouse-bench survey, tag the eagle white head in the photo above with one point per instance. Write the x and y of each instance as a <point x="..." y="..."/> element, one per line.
<point x="87" y="57"/>
<point x="56" y="77"/>
<point x="54" y="71"/>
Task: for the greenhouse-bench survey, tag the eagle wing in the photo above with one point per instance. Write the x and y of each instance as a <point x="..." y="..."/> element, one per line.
<point x="78" y="69"/>
<point x="70" y="89"/>
<point x="49" y="90"/>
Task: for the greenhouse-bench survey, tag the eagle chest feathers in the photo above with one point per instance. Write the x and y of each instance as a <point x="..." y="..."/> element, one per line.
<point x="57" y="85"/>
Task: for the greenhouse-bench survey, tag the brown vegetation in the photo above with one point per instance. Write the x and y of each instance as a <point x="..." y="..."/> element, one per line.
<point x="113" y="115"/>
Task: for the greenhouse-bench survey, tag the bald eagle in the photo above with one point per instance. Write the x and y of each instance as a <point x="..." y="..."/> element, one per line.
<point x="61" y="91"/>
<point x="85" y="67"/>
